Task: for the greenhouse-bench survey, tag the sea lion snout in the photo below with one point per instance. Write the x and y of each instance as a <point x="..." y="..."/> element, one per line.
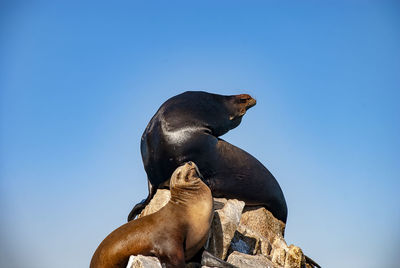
<point x="185" y="174"/>
<point x="243" y="102"/>
<point x="246" y="101"/>
<point x="192" y="171"/>
<point x="173" y="234"/>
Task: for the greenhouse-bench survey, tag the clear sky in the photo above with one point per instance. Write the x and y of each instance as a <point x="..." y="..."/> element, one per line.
<point x="79" y="83"/>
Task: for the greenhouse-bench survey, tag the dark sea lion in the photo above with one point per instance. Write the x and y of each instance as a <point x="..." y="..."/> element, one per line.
<point x="186" y="128"/>
<point x="174" y="234"/>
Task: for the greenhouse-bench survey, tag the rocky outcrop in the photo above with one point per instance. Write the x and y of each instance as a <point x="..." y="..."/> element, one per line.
<point x="140" y="261"/>
<point x="159" y="200"/>
<point x="249" y="261"/>
<point x="240" y="236"/>
<point x="226" y="220"/>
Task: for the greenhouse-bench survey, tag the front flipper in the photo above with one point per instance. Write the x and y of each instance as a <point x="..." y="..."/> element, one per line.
<point x="172" y="254"/>
<point x="311" y="262"/>
<point x="140" y="206"/>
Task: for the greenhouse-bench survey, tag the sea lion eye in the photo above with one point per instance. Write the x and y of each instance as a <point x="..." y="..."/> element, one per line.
<point x="178" y="175"/>
<point x="243" y="100"/>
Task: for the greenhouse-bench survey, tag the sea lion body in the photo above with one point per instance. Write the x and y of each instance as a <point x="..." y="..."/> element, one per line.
<point x="187" y="128"/>
<point x="174" y="234"/>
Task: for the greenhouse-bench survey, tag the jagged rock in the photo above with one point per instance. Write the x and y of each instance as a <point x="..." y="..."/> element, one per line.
<point x="159" y="200"/>
<point x="251" y="236"/>
<point x="242" y="260"/>
<point x="226" y="220"/>
<point x="294" y="257"/>
<point x="265" y="247"/>
<point x="260" y="220"/>
<point x="208" y="260"/>
<point x="278" y="252"/>
<point x="250" y="242"/>
<point x="244" y="244"/>
<point x="279" y="242"/>
<point x="140" y="261"/>
<point x="278" y="256"/>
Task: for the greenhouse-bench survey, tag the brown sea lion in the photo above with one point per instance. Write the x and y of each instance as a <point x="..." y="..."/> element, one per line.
<point x="187" y="128"/>
<point x="174" y="234"/>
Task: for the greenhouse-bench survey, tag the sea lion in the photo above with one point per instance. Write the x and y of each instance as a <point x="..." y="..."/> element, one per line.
<point x="174" y="234"/>
<point x="186" y="128"/>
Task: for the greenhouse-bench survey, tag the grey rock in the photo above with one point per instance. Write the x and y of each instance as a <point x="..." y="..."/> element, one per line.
<point x="257" y="243"/>
<point x="250" y="236"/>
<point x="226" y="220"/>
<point x="209" y="260"/>
<point x="244" y="244"/>
<point x="140" y="261"/>
<point x="261" y="221"/>
<point x="159" y="200"/>
<point x="242" y="260"/>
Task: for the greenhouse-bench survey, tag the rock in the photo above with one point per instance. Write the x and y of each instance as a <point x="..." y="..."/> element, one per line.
<point x="226" y="220"/>
<point x="278" y="256"/>
<point x="294" y="257"/>
<point x="140" y="261"/>
<point x="159" y="200"/>
<point x="279" y="242"/>
<point x="265" y="248"/>
<point x="208" y="260"/>
<point x="250" y="236"/>
<point x="260" y="220"/>
<point x="249" y="261"/>
<point x="244" y="244"/>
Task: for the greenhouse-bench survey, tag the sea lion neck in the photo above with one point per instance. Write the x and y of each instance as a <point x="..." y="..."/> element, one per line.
<point x="183" y="195"/>
<point x="204" y="111"/>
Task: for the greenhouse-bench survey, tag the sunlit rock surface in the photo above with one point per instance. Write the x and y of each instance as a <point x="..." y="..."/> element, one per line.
<point x="240" y="236"/>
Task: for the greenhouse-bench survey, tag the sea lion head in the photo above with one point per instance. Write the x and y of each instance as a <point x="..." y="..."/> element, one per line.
<point x="185" y="176"/>
<point x="238" y="106"/>
<point x="199" y="109"/>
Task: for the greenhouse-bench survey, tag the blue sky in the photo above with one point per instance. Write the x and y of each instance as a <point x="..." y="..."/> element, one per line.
<point x="79" y="82"/>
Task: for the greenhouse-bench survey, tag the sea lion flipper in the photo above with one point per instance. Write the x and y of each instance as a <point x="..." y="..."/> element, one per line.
<point x="175" y="258"/>
<point x="141" y="205"/>
<point x="137" y="209"/>
<point x="311" y="261"/>
<point x="172" y="234"/>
